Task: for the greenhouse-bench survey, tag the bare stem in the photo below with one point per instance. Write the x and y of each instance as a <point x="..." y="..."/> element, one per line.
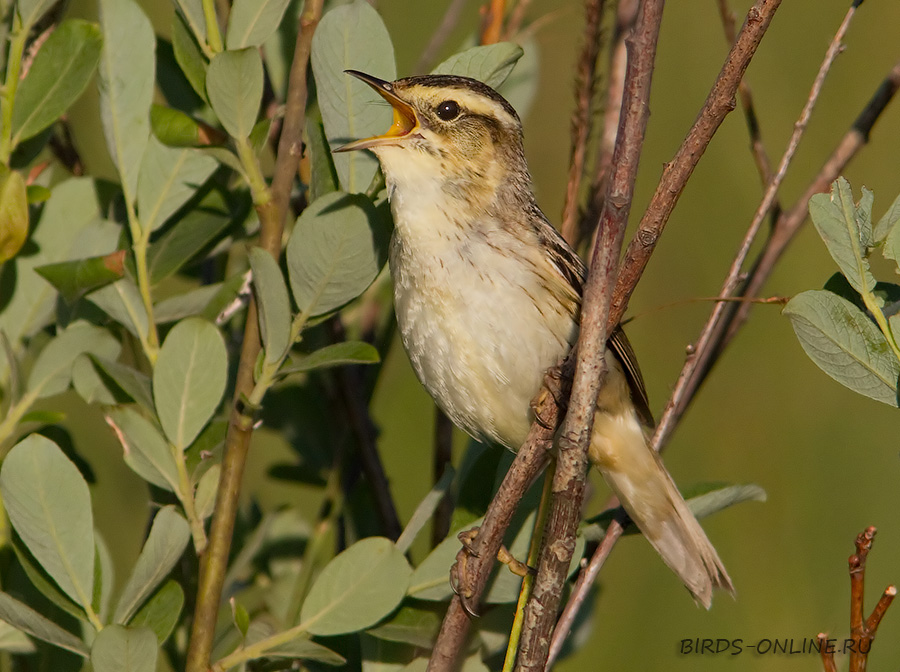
<point x="237" y="443"/>
<point x="445" y="27"/>
<point x="575" y="436"/>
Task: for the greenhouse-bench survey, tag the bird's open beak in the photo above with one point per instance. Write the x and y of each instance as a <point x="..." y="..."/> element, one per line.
<point x="405" y="121"/>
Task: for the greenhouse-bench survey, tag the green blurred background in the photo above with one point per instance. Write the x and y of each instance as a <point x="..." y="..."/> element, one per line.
<point x="827" y="457"/>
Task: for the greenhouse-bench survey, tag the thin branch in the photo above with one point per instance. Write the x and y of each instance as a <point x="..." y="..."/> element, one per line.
<point x="237" y="443"/>
<point x="474" y="564"/>
<point x="492" y="21"/>
<point x="582" y="116"/>
<point x="583" y="583"/>
<point x="676" y="173"/>
<point x="443" y="456"/>
<point x="445" y="27"/>
<point x="705" y="351"/>
<point x="516" y="19"/>
<point x="575" y="436"/>
<point x="626" y="15"/>
<point x="757" y="148"/>
<point x="790" y="222"/>
<point x="826" y="651"/>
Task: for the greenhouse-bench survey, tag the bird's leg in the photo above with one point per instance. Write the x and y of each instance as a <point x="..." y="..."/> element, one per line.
<point x="460" y="578"/>
<point x="552" y="396"/>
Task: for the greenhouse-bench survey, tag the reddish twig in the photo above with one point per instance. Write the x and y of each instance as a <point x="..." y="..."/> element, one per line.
<point x="575" y="436"/>
<point x="705" y="350"/>
<point x="582" y="117"/>
<point x="826" y="651"/>
<point x="492" y="21"/>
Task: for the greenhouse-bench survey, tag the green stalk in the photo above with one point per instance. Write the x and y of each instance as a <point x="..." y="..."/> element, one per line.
<point x="212" y="26"/>
<point x="872" y="306"/>
<point x="186" y="495"/>
<point x="534" y="554"/>
<point x="141" y="242"/>
<point x="8" y="96"/>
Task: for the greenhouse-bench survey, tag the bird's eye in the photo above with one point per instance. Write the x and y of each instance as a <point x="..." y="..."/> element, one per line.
<point x="448" y="110"/>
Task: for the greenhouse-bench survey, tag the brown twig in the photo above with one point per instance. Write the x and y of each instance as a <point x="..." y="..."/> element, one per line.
<point x="492" y="21"/>
<point x="443" y="455"/>
<point x="575" y="436"/>
<point x="479" y="557"/>
<point x="790" y="222"/>
<point x="705" y="350"/>
<point x="757" y="148"/>
<point x="862" y="630"/>
<point x="582" y="116"/>
<point x="516" y="19"/>
<point x="440" y="35"/>
<point x="676" y="173"/>
<point x="626" y="14"/>
<point x="826" y="651"/>
<point x="237" y="442"/>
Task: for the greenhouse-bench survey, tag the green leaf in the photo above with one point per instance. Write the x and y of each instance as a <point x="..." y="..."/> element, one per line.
<point x="42" y="581"/>
<point x="182" y="242"/>
<point x="122" y="301"/>
<point x="52" y="371"/>
<point x="165" y="545"/>
<point x="146" y="451"/>
<point x="169" y="178"/>
<point x="188" y="56"/>
<point x="32" y="10"/>
<point x="13" y="214"/>
<point x="240" y="616"/>
<point x="234" y="83"/>
<point x="104" y="578"/>
<point x="335" y="252"/>
<point x="49" y="506"/>
<point x="274" y="304"/>
<point x="425" y="510"/>
<point x="205" y="498"/>
<point x="888" y="231"/>
<point x="521" y="85"/>
<point x="251" y="22"/>
<point x="846" y="235"/>
<point x="127" y="71"/>
<point x="490" y="63"/>
<point x="59" y="74"/>
<point x="37" y="194"/>
<point x="14" y="641"/>
<point x="845" y="344"/>
<point x="338" y="354"/>
<point x="192" y="11"/>
<point x="189" y="379"/>
<point x="304" y="649"/>
<point x="323" y="178"/>
<point x="29" y="621"/>
<point x="357" y="588"/>
<point x="161" y="612"/>
<point x="74" y="279"/>
<point x="719" y="498"/>
<point x="192" y="303"/>
<point x="173" y="127"/>
<point x="354" y="37"/>
<point x="90" y="384"/>
<point x="134" y="383"/>
<point x="412" y="624"/>
<point x="120" y="649"/>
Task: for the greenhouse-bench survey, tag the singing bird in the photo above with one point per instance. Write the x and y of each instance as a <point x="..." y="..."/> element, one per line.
<point x="487" y="296"/>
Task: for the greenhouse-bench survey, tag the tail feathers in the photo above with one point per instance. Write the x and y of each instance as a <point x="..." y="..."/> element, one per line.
<point x="649" y="496"/>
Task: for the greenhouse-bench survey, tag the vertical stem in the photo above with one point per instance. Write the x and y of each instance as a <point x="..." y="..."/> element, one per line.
<point x="213" y="36"/>
<point x="14" y="65"/>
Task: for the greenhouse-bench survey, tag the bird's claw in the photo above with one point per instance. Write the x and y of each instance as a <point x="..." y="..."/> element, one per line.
<point x="460" y="577"/>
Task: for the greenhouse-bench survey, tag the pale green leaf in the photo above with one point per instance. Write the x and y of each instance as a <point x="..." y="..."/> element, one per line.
<point x="207" y="487"/>
<point x="425" y="509"/>
<point x="304" y="649"/>
<point x="721" y="498"/>
<point x="161" y="612"/>
<point x="60" y="72"/>
<point x="337" y="354"/>
<point x="251" y="22"/>
<point x="75" y="278"/>
<point x="89" y="384"/>
<point x="234" y="83"/>
<point x="104" y="578"/>
<point x="192" y="303"/>
<point x="322" y="176"/>
<point x="888" y="231"/>
<point x="189" y="379"/>
<point x="352" y="37"/>
<point x="122" y="301"/>
<point x="133" y="382"/>
<point x="14" y="641"/>
<point x="274" y="304"/>
<point x="521" y="86"/>
<point x="489" y="63"/>
<point x="357" y="588"/>
<point x="29" y="621"/>
<point x="52" y="372"/>
<point x="192" y="11"/>
<point x="49" y="506"/>
<point x="120" y="649"/>
<point x="169" y="536"/>
<point x="13" y="213"/>
<point x="32" y="10"/>
<point x="127" y="72"/>
<point x="169" y="178"/>
<point x="417" y="624"/>
<point x="146" y="451"/>
<point x="336" y="250"/>
<point x="845" y="235"/>
<point x="845" y="344"/>
<point x="188" y="55"/>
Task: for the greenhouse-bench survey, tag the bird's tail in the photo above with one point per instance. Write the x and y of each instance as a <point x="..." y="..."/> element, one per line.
<point x="649" y="496"/>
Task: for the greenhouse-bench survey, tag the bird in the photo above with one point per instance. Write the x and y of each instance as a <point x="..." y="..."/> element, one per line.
<point x="487" y="296"/>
